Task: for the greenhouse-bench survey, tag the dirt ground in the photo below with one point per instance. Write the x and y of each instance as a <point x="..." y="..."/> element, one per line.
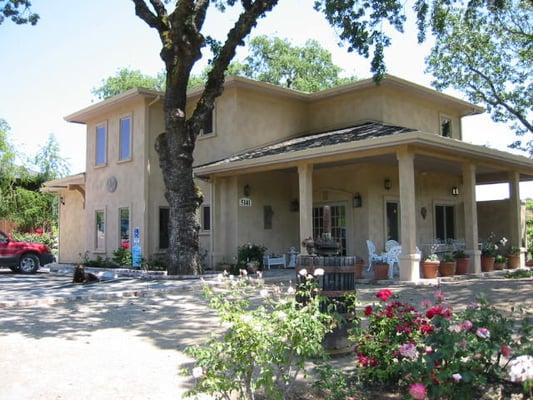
<point x="133" y="348"/>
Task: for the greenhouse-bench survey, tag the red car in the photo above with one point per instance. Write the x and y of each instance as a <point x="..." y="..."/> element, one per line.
<point x="23" y="257"/>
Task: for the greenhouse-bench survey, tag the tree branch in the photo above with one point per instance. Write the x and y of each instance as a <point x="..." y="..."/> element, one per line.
<point x="500" y="101"/>
<point x="143" y="12"/>
<point x="159" y="8"/>
<point x="215" y="79"/>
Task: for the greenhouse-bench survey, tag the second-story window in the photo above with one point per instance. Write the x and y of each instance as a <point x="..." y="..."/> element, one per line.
<point x="101" y="145"/>
<point x="208" y="127"/>
<point x="446" y="127"/>
<point x="124" y="139"/>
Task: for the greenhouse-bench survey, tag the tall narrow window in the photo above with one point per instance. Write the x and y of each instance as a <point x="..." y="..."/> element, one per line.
<point x="163" y="227"/>
<point x="125" y="139"/>
<point x="393" y="220"/>
<point x="99" y="242"/>
<point x="124" y="224"/>
<point x="208" y="124"/>
<point x="446" y="127"/>
<point x="206" y="218"/>
<point x="444" y="222"/>
<point x="101" y="145"/>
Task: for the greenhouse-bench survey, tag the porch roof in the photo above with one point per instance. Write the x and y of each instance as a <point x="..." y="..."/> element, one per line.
<point x="57" y="185"/>
<point x="369" y="138"/>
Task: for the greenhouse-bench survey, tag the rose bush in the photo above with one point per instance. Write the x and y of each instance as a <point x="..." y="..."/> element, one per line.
<point x="266" y="342"/>
<point x="434" y="352"/>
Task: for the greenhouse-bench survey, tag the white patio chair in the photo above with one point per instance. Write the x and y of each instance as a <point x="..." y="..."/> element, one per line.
<point x="393" y="259"/>
<point x="372" y="255"/>
<point x="389" y="244"/>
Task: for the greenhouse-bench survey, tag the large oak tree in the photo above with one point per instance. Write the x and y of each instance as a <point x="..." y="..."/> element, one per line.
<point x="360" y="25"/>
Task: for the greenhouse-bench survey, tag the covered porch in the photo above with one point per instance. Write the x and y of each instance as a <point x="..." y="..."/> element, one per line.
<point x="413" y="187"/>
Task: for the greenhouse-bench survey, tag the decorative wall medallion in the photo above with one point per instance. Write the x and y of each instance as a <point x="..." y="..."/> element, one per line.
<point x="111" y="184"/>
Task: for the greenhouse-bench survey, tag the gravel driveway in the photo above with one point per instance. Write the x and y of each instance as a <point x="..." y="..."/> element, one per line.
<point x="133" y="348"/>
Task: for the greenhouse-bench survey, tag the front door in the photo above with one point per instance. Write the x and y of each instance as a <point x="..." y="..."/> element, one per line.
<point x="338" y="223"/>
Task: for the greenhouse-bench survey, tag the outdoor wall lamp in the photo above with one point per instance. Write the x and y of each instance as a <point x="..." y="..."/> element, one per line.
<point x="387" y="184"/>
<point x="247" y="190"/>
<point x="357" y="201"/>
<point x="455" y="191"/>
<point x="62" y="200"/>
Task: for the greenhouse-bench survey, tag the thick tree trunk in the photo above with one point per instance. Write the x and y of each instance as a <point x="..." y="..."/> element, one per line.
<point x="175" y="148"/>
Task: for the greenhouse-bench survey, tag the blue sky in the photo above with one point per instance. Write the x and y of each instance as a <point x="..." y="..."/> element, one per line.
<point x="48" y="71"/>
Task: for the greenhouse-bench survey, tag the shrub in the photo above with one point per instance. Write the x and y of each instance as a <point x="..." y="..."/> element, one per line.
<point x="513" y="251"/>
<point x="448" y="258"/>
<point x="459" y="254"/>
<point x="48" y="239"/>
<point x="122" y="257"/>
<point x="264" y="348"/>
<point x="98" y="262"/>
<point x="154" y="264"/>
<point x="434" y="352"/>
<point x="250" y="252"/>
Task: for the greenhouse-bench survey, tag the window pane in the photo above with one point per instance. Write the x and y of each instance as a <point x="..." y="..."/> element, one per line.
<point x="206" y="218"/>
<point x="439" y="223"/>
<point x="124" y="216"/>
<point x="392" y="221"/>
<point x="163" y="228"/>
<point x="450" y="222"/>
<point x="208" y="124"/>
<point x="446" y="127"/>
<point x="100" y="230"/>
<point x="100" y="145"/>
<point x="125" y="139"/>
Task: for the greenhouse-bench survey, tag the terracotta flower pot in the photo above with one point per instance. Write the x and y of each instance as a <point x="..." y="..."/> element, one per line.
<point x="499" y="266"/>
<point x="359" y="266"/>
<point x="381" y="271"/>
<point x="529" y="263"/>
<point x="487" y="263"/>
<point x="430" y="269"/>
<point x="461" y="266"/>
<point x="447" y="268"/>
<point x="513" y="262"/>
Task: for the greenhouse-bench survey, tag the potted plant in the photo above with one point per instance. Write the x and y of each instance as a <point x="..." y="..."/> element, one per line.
<point x="513" y="257"/>
<point x="461" y="262"/>
<point x="430" y="266"/>
<point x="381" y="271"/>
<point x="447" y="265"/>
<point x="488" y="254"/>
<point x="499" y="262"/>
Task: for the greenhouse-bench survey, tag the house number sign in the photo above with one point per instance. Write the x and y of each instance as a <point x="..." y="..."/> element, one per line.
<point x="245" y="202"/>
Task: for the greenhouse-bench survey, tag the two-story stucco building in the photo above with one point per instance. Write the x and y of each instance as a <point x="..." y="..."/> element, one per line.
<point x="389" y="159"/>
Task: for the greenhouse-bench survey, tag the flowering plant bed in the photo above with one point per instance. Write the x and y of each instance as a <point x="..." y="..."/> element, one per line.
<point x="433" y="352"/>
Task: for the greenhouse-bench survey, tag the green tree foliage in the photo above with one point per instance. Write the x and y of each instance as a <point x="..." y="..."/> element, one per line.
<point x="488" y="55"/>
<point x="18" y="11"/>
<point x="308" y="68"/>
<point x="20" y="198"/>
<point x="125" y="79"/>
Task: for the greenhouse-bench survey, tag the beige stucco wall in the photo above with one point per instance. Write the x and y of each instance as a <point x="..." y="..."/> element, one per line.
<point x="72" y="228"/>
<point x="130" y="192"/>
<point x="494" y="217"/>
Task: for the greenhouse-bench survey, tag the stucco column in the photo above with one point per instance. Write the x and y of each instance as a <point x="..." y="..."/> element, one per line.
<point x="470" y="210"/>
<point x="409" y="259"/>
<point x="305" y="183"/>
<point x="515" y="214"/>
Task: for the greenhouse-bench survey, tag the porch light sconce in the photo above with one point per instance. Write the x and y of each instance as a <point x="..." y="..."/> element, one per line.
<point x="387" y="184"/>
<point x="424" y="212"/>
<point x="455" y="191"/>
<point x="357" y="201"/>
<point x="247" y="190"/>
<point x="62" y="200"/>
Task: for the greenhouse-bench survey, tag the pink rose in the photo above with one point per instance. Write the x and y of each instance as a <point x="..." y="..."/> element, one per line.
<point x="483" y="333"/>
<point x="417" y="391"/>
<point x="505" y="350"/>
<point x="384" y="294"/>
<point x="466" y="325"/>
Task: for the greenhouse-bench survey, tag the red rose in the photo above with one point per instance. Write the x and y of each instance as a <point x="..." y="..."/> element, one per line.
<point x="505" y="350"/>
<point x="368" y="311"/>
<point x="384" y="294"/>
<point x="438" y="310"/>
<point x="426" y="328"/>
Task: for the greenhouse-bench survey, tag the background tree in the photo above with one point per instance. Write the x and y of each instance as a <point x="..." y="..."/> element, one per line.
<point x="125" y="79"/>
<point x="488" y="55"/>
<point x="49" y="162"/>
<point x="18" y="11"/>
<point x="360" y="25"/>
<point x="308" y="68"/>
